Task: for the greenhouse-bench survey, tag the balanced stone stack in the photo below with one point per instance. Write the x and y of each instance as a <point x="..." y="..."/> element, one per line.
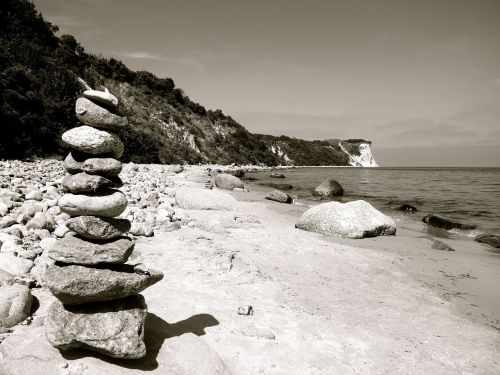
<point x="98" y="306"/>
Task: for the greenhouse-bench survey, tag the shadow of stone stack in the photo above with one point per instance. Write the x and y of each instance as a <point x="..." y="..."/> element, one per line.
<point x="98" y="306"/>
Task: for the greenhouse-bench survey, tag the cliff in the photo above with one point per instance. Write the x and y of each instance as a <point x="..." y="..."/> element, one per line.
<point x="39" y="84"/>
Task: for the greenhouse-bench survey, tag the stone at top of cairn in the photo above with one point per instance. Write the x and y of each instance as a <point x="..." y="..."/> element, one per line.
<point x="90" y="272"/>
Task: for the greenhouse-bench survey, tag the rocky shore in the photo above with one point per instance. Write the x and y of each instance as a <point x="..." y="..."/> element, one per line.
<point x="321" y="304"/>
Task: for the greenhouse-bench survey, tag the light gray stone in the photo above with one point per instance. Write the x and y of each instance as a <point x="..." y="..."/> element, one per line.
<point x="329" y="187"/>
<point x="93" y="114"/>
<point x="75" y="250"/>
<point x="115" y="328"/>
<point x="98" y="228"/>
<point x="15" y="304"/>
<point x="108" y="204"/>
<point x="279" y="196"/>
<point x="228" y="182"/>
<point x="103" y="97"/>
<point x="15" y="265"/>
<point x="357" y="219"/>
<point x="93" y="141"/>
<point x="101" y="166"/>
<point x="74" y="285"/>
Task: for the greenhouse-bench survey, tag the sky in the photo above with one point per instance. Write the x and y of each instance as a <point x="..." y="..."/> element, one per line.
<point x="420" y="79"/>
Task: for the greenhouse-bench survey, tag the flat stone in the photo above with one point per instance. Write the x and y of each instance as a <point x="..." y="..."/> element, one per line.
<point x="203" y="199"/>
<point x="114" y="328"/>
<point x="75" y="163"/>
<point x="6" y="278"/>
<point x="98" y="228"/>
<point x="102" y="97"/>
<point x="15" y="304"/>
<point x="93" y="141"/>
<point x="357" y="219"/>
<point x="71" y="249"/>
<point x="86" y="183"/>
<point x="490" y="239"/>
<point x="93" y="114"/>
<point x="15" y="265"/>
<point x="74" y="285"/>
<point x="109" y="204"/>
<point x="279" y="196"/>
<point x="444" y="223"/>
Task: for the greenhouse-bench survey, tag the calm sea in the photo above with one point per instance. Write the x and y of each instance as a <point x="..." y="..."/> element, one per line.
<point x="469" y="195"/>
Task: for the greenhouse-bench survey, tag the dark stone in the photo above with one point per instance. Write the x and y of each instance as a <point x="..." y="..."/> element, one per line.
<point x="277" y="186"/>
<point x="279" y="196"/>
<point x="277" y="175"/>
<point x="329" y="188"/>
<point x="408" y="208"/>
<point x="443" y="223"/>
<point x="86" y="183"/>
<point x="77" y="162"/>
<point x="490" y="239"/>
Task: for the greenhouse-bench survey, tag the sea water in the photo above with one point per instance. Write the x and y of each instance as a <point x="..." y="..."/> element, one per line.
<point x="467" y="195"/>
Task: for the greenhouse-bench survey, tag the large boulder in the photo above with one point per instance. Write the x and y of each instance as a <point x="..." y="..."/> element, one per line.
<point x="94" y="115"/>
<point x="74" y="285"/>
<point x="115" y="328"/>
<point x="103" y="97"/>
<point x="109" y="204"/>
<point x="98" y="228"/>
<point x="15" y="265"/>
<point x="85" y="183"/>
<point x="15" y="304"/>
<point x="72" y="249"/>
<point x="228" y="182"/>
<point x="93" y="141"/>
<point x="75" y="163"/>
<point x="357" y="219"/>
<point x="329" y="188"/>
<point x="444" y="223"/>
<point x="490" y="239"/>
<point x="279" y="196"/>
<point x="203" y="199"/>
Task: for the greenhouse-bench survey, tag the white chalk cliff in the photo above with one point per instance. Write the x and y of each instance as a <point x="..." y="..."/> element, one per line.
<point x="365" y="157"/>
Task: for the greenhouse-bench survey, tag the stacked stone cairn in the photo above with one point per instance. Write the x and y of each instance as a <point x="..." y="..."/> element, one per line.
<point x="98" y="306"/>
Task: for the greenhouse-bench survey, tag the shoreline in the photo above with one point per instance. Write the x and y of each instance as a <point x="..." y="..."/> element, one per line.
<point x="322" y="305"/>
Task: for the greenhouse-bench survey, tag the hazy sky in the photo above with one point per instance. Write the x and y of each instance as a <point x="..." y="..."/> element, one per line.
<point x="420" y="76"/>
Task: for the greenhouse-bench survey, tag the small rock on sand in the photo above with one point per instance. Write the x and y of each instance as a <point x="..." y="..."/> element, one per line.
<point x="279" y="196"/>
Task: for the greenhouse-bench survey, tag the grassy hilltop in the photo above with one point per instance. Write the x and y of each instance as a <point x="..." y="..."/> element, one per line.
<point x="39" y="87"/>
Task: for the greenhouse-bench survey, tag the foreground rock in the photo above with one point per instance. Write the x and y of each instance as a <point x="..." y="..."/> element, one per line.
<point x="490" y="239"/>
<point x="94" y="115"/>
<point x="279" y="196"/>
<point x="109" y="204"/>
<point x="74" y="285"/>
<point x="92" y="141"/>
<point x="329" y="188"/>
<point x="71" y="249"/>
<point x="98" y="228"/>
<point x="444" y="223"/>
<point x="75" y="163"/>
<point x="202" y="199"/>
<point x="357" y="219"/>
<point x="228" y="182"/>
<point x="15" y="304"/>
<point x="115" y="328"/>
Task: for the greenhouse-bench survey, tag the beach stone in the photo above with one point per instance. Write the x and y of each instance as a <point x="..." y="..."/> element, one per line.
<point x="6" y="278"/>
<point x="42" y="221"/>
<point x="15" y="304"/>
<point x="93" y="141"/>
<point x="228" y="182"/>
<point x="47" y="243"/>
<point x="357" y="219"/>
<point x="7" y="221"/>
<point x="98" y="228"/>
<point x="75" y="163"/>
<point x="74" y="285"/>
<point x="329" y="188"/>
<point x="61" y="231"/>
<point x="92" y="114"/>
<point x="142" y="229"/>
<point x="109" y="204"/>
<point x="444" y="223"/>
<point x="85" y="183"/>
<point x="115" y="328"/>
<point x="440" y="245"/>
<point x="34" y="195"/>
<point x="408" y="208"/>
<point x="279" y="196"/>
<point x="203" y="199"/>
<point x="15" y="265"/>
<point x="75" y="250"/>
<point x="277" y="175"/>
<point x="490" y="239"/>
<point x="102" y="97"/>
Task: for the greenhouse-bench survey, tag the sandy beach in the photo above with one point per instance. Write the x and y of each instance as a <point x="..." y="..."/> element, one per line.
<point x="322" y="305"/>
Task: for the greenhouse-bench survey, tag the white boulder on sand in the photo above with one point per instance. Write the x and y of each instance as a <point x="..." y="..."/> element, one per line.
<point x="228" y="182"/>
<point x="357" y="219"/>
<point x="203" y="199"/>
